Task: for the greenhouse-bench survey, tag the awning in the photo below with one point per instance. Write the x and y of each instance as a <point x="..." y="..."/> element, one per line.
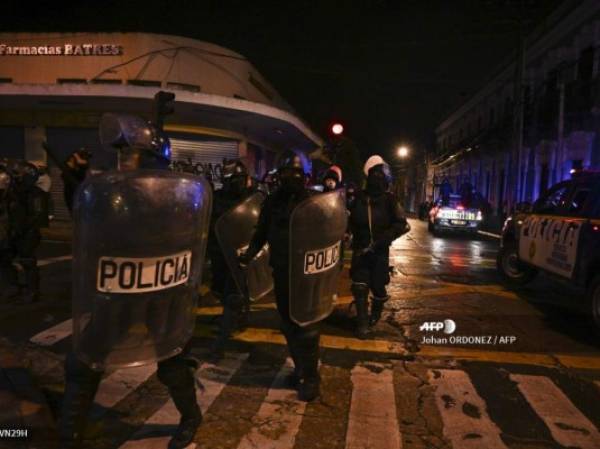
<point x="258" y="123"/>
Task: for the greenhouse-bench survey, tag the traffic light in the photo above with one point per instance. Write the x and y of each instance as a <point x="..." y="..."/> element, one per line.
<point x="163" y="106"/>
<point x="337" y="129"/>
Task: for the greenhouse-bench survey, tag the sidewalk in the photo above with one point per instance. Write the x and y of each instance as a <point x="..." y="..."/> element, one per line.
<point x="23" y="407"/>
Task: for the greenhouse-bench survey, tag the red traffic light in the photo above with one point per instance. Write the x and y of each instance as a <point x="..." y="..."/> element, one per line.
<point x="337" y="129"/>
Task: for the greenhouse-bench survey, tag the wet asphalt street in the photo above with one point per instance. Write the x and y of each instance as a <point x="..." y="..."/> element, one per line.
<point x="457" y="361"/>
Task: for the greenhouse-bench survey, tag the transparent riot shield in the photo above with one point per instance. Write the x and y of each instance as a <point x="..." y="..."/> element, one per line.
<point x="139" y="247"/>
<point x="234" y="229"/>
<point x="317" y="228"/>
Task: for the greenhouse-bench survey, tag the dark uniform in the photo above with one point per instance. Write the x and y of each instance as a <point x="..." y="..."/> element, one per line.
<point x="235" y="302"/>
<point x="273" y="228"/>
<point x="74" y="173"/>
<point x="376" y="220"/>
<point x="176" y="372"/>
<point x="5" y="253"/>
<point x="24" y="213"/>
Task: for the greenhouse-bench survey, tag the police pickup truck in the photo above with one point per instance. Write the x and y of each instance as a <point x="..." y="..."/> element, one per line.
<point x="560" y="236"/>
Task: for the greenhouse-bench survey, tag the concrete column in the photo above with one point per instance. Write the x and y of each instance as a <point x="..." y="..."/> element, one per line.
<point x="242" y="149"/>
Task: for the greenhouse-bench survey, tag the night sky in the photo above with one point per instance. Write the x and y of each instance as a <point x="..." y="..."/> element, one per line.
<point x="388" y="70"/>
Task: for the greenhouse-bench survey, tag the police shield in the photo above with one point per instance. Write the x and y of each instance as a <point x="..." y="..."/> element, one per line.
<point x="317" y="228"/>
<point x="234" y="229"/>
<point x="139" y="246"/>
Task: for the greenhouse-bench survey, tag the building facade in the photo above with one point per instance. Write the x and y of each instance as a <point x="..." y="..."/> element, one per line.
<point x="535" y="121"/>
<point x="54" y="87"/>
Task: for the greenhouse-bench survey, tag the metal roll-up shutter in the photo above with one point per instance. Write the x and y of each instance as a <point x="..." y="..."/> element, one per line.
<point x="208" y="153"/>
<point x="13" y="142"/>
<point x="65" y="141"/>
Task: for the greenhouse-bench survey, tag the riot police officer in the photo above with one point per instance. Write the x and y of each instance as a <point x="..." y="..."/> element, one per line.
<point x="26" y="212"/>
<point x="74" y="172"/>
<point x="132" y="304"/>
<point x="376" y="220"/>
<point x="294" y="223"/>
<point x="235" y="301"/>
<point x="332" y="178"/>
<point x="8" y="289"/>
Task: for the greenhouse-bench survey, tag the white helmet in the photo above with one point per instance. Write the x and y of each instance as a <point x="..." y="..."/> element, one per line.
<point x="372" y="162"/>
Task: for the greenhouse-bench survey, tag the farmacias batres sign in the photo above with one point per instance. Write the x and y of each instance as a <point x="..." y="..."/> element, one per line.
<point x="62" y="50"/>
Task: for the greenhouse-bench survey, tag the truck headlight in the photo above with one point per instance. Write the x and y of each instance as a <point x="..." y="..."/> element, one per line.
<point x="444" y="213"/>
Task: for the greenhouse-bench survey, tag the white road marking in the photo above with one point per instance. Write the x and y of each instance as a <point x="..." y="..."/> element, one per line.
<point x="213" y="377"/>
<point x="466" y="422"/>
<point x="119" y="384"/>
<point x="373" y="423"/>
<point x="51" y="260"/>
<point x="490" y="234"/>
<point x="278" y="420"/>
<point x="54" y="334"/>
<point x="568" y="426"/>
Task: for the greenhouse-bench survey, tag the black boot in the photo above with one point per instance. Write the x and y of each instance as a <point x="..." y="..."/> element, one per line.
<point x="30" y="280"/>
<point x="232" y="310"/>
<point x="178" y="374"/>
<point x="31" y="290"/>
<point x="244" y="311"/>
<point x="295" y="377"/>
<point x="80" y="389"/>
<point x="361" y="298"/>
<point x="307" y="342"/>
<point x="377" y="309"/>
<point x="9" y="282"/>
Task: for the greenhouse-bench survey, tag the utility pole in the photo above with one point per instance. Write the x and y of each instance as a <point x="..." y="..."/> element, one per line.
<point x="559" y="158"/>
<point x="515" y="186"/>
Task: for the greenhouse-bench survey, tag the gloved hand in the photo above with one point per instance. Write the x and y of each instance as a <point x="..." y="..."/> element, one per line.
<point x="368" y="250"/>
<point x="245" y="258"/>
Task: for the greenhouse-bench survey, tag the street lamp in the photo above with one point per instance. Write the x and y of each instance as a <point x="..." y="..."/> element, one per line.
<point x="403" y="152"/>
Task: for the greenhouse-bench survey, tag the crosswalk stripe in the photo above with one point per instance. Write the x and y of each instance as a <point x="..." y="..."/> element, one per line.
<point x="568" y="426"/>
<point x="373" y="407"/>
<point x="278" y="420"/>
<point x="119" y="384"/>
<point x="466" y="421"/>
<point x="213" y="378"/>
<point x="54" y="334"/>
